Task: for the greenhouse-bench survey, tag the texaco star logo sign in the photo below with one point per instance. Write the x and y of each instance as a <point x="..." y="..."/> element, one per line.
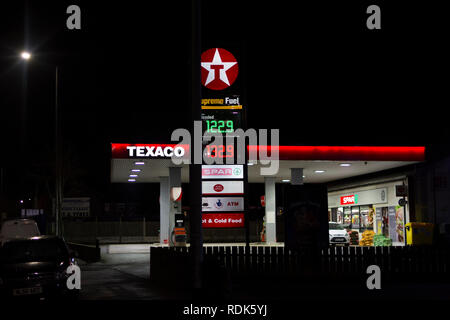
<point x="219" y="69"/>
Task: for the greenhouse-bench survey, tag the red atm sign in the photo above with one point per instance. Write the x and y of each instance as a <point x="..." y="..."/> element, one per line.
<point x="350" y="199"/>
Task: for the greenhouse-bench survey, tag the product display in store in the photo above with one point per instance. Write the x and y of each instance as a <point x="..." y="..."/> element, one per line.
<point x="380" y="240"/>
<point x="354" y="238"/>
<point x="355" y="220"/>
<point x="367" y="238"/>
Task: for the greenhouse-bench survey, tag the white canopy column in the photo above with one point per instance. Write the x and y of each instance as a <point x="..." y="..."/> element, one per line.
<point x="175" y="206"/>
<point x="271" y="228"/>
<point x="164" y="208"/>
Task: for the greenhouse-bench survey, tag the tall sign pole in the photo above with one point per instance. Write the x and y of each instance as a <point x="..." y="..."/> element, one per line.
<point x="58" y="199"/>
<point x="224" y="174"/>
<point x="196" y="239"/>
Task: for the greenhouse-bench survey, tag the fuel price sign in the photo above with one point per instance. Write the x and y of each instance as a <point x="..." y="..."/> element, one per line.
<point x="221" y="121"/>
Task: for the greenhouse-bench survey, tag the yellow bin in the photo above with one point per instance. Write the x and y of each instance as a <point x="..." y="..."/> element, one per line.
<point x="419" y="233"/>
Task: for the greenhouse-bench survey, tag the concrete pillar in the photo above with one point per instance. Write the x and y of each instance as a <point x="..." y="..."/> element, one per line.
<point x="271" y="228"/>
<point x="175" y="206"/>
<point x="164" y="205"/>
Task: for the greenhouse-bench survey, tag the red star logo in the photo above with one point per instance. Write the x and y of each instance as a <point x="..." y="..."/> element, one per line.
<point x="219" y="69"/>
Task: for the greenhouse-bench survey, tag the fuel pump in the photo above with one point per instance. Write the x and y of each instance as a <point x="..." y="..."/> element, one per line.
<point x="179" y="231"/>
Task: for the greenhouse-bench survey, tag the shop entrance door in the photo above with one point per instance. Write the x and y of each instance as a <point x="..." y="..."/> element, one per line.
<point x="366" y="217"/>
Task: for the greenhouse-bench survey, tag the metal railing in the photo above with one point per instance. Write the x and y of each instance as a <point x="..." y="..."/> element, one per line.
<point x="399" y="263"/>
<point x="116" y="231"/>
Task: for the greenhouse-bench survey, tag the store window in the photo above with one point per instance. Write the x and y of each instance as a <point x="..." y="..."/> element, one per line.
<point x="355" y="218"/>
<point x="366" y="214"/>
<point x="347" y="217"/>
<point x="332" y="215"/>
<point x="358" y="218"/>
<point x="339" y="215"/>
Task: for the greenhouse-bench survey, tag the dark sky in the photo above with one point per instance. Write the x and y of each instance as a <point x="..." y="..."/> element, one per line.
<point x="312" y="70"/>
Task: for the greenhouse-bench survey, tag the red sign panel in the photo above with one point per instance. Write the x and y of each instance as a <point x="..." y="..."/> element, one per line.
<point x="223" y="220"/>
<point x="350" y="199"/>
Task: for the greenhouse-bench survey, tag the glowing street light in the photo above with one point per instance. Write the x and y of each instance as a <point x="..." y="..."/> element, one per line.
<point x="25" y="55"/>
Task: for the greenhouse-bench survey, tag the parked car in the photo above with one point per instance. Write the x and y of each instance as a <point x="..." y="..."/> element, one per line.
<point x="35" y="267"/>
<point x="18" y="228"/>
<point x="338" y="234"/>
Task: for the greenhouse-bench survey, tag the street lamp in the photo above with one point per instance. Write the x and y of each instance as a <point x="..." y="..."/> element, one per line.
<point x="25" y="55"/>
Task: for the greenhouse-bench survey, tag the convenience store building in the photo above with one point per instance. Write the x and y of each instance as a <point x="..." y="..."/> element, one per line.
<point x="372" y="206"/>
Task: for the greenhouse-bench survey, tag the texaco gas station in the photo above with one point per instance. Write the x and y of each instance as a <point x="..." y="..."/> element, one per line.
<point x="221" y="110"/>
<point x="152" y="163"/>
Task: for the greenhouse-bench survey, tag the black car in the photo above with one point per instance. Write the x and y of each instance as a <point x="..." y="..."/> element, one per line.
<point x="35" y="267"/>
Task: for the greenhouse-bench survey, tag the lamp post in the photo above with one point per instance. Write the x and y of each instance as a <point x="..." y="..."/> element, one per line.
<point x="58" y="171"/>
<point x="195" y="170"/>
<point x="25" y="55"/>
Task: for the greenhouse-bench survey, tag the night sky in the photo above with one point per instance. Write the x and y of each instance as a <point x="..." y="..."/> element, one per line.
<point x="312" y="70"/>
